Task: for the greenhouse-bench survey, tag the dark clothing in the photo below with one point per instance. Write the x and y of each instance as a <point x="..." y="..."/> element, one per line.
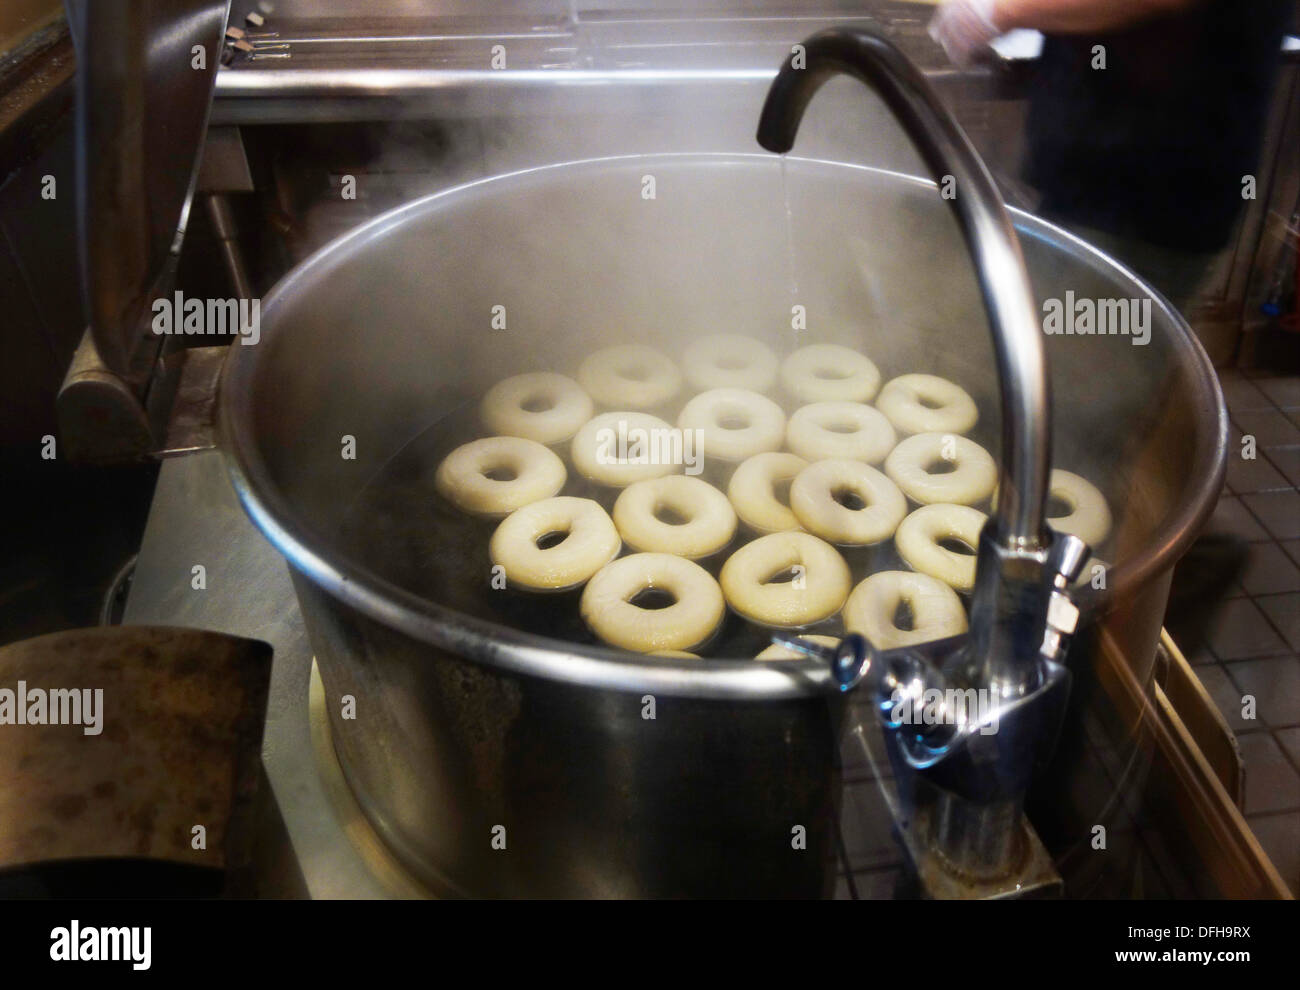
<point x="1154" y="146"/>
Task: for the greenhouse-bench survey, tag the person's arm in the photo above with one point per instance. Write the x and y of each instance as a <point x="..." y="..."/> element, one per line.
<point x="965" y="27"/>
<point x="1080" y="16"/>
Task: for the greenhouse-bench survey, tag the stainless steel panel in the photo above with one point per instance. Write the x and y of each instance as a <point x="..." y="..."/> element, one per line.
<point x="142" y="108"/>
<point x="196" y="520"/>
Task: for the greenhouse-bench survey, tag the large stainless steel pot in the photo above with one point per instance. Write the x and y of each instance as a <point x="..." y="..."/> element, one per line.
<point x="463" y="724"/>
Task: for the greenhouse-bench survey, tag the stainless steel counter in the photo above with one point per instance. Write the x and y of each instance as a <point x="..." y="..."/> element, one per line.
<point x="338" y="63"/>
<point x="196" y="520"/>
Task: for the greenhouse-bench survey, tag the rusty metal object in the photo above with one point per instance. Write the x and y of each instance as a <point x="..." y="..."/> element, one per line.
<point x="100" y="417"/>
<point x="177" y="746"/>
<point x="102" y="421"/>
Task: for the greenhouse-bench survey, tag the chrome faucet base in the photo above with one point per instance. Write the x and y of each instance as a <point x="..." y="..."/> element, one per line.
<point x="954" y="848"/>
<point x="948" y="825"/>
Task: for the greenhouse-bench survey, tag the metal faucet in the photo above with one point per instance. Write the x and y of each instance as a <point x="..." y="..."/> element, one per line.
<point x="1021" y="613"/>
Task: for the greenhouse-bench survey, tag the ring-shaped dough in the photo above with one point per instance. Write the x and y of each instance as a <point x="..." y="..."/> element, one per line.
<point x="694" y="615"/>
<point x="971" y="478"/>
<point x="752" y="491"/>
<point x="629" y="376"/>
<point x="590" y="542"/>
<point x="927" y="404"/>
<point x="830" y="373"/>
<point x="538" y="405"/>
<point x="1089" y="518"/>
<point x="918" y="536"/>
<point x="619" y="448"/>
<point x="525" y="472"/>
<point x="815" y="592"/>
<point x="734" y="423"/>
<point x="708" y="522"/>
<point x="841" y="431"/>
<point x="816" y="496"/>
<point x="730" y="360"/>
<point x="778" y="652"/>
<point x="937" y="612"/>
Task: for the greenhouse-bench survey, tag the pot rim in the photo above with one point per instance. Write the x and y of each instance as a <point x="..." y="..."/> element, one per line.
<point x="601" y="667"/>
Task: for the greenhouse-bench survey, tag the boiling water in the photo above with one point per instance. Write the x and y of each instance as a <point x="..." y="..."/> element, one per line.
<point x="403" y="530"/>
<point x="792" y="272"/>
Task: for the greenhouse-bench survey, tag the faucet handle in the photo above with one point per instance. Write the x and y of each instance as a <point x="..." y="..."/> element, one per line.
<point x="1065" y="561"/>
<point x="850" y="659"/>
<point x="855" y="661"/>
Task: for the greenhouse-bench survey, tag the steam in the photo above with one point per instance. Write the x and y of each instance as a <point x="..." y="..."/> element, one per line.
<point x="393" y="338"/>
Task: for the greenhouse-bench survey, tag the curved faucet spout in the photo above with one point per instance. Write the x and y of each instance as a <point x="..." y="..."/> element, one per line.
<point x="989" y="235"/>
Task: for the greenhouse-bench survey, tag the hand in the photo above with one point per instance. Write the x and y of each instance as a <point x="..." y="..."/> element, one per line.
<point x="964" y="28"/>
